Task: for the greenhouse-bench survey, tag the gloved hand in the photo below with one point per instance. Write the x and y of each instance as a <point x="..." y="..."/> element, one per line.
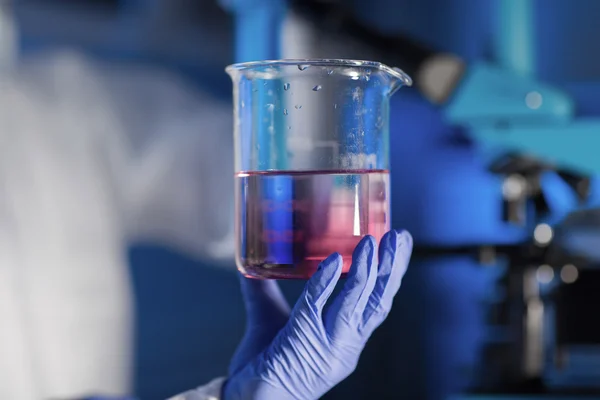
<point x="316" y="349"/>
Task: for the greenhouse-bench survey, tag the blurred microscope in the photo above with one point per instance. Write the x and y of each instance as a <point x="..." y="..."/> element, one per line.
<point x="540" y="238"/>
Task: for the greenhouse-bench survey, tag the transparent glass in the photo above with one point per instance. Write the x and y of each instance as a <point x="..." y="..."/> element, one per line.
<point x="311" y="144"/>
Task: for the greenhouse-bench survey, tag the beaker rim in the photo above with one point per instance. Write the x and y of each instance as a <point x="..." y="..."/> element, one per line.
<point x="323" y="62"/>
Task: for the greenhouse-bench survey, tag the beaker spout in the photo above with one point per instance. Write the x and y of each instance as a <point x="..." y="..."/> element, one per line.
<point x="398" y="78"/>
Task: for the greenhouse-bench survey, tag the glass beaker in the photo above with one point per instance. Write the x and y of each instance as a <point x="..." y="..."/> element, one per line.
<point x="311" y="144"/>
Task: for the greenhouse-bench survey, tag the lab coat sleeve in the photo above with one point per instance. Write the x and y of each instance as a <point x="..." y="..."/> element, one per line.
<point x="211" y="391"/>
<point x="179" y="186"/>
<point x="182" y="191"/>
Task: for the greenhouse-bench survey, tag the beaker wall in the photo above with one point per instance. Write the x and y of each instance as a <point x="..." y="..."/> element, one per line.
<point x="312" y="156"/>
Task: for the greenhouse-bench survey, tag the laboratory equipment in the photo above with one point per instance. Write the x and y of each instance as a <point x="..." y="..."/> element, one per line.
<point x="311" y="161"/>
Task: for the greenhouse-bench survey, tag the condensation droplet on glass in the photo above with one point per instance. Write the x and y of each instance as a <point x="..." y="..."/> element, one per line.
<point x="270" y="92"/>
<point x="298" y="106"/>
<point x="329" y="71"/>
<point x="289" y="127"/>
<point x="243" y="104"/>
<point x="286" y="86"/>
<point x="367" y="77"/>
<point x="285" y="111"/>
<point x="317" y="88"/>
<point x="335" y="105"/>
<point x="302" y="67"/>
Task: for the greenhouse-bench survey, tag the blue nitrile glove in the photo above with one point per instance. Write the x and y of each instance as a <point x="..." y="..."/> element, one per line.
<point x="317" y="348"/>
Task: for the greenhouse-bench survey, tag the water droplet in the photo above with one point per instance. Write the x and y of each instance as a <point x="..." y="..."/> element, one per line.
<point x="303" y="67"/>
<point x="254" y="90"/>
<point x="317" y="88"/>
<point x="289" y="127"/>
<point x="285" y="111"/>
<point x="329" y="71"/>
<point x="367" y="78"/>
<point x="270" y="92"/>
<point x="298" y="106"/>
<point x="335" y="105"/>
<point x="243" y="104"/>
<point x="286" y="86"/>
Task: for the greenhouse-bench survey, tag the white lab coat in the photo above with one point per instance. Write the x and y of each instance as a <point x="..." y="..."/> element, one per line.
<point x="91" y="157"/>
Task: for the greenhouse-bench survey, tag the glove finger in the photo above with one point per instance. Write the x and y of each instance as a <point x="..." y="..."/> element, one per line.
<point x="387" y="254"/>
<point x="559" y="196"/>
<point x="394" y="256"/>
<point x="264" y="301"/>
<point x="349" y="305"/>
<point x="321" y="284"/>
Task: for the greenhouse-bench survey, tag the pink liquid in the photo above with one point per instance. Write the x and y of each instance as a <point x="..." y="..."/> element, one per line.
<point x="288" y="222"/>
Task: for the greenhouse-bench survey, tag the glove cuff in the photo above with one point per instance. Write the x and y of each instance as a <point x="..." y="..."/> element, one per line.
<point x="210" y="391"/>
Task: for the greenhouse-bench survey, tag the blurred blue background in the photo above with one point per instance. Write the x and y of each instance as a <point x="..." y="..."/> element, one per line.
<point x="189" y="313"/>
